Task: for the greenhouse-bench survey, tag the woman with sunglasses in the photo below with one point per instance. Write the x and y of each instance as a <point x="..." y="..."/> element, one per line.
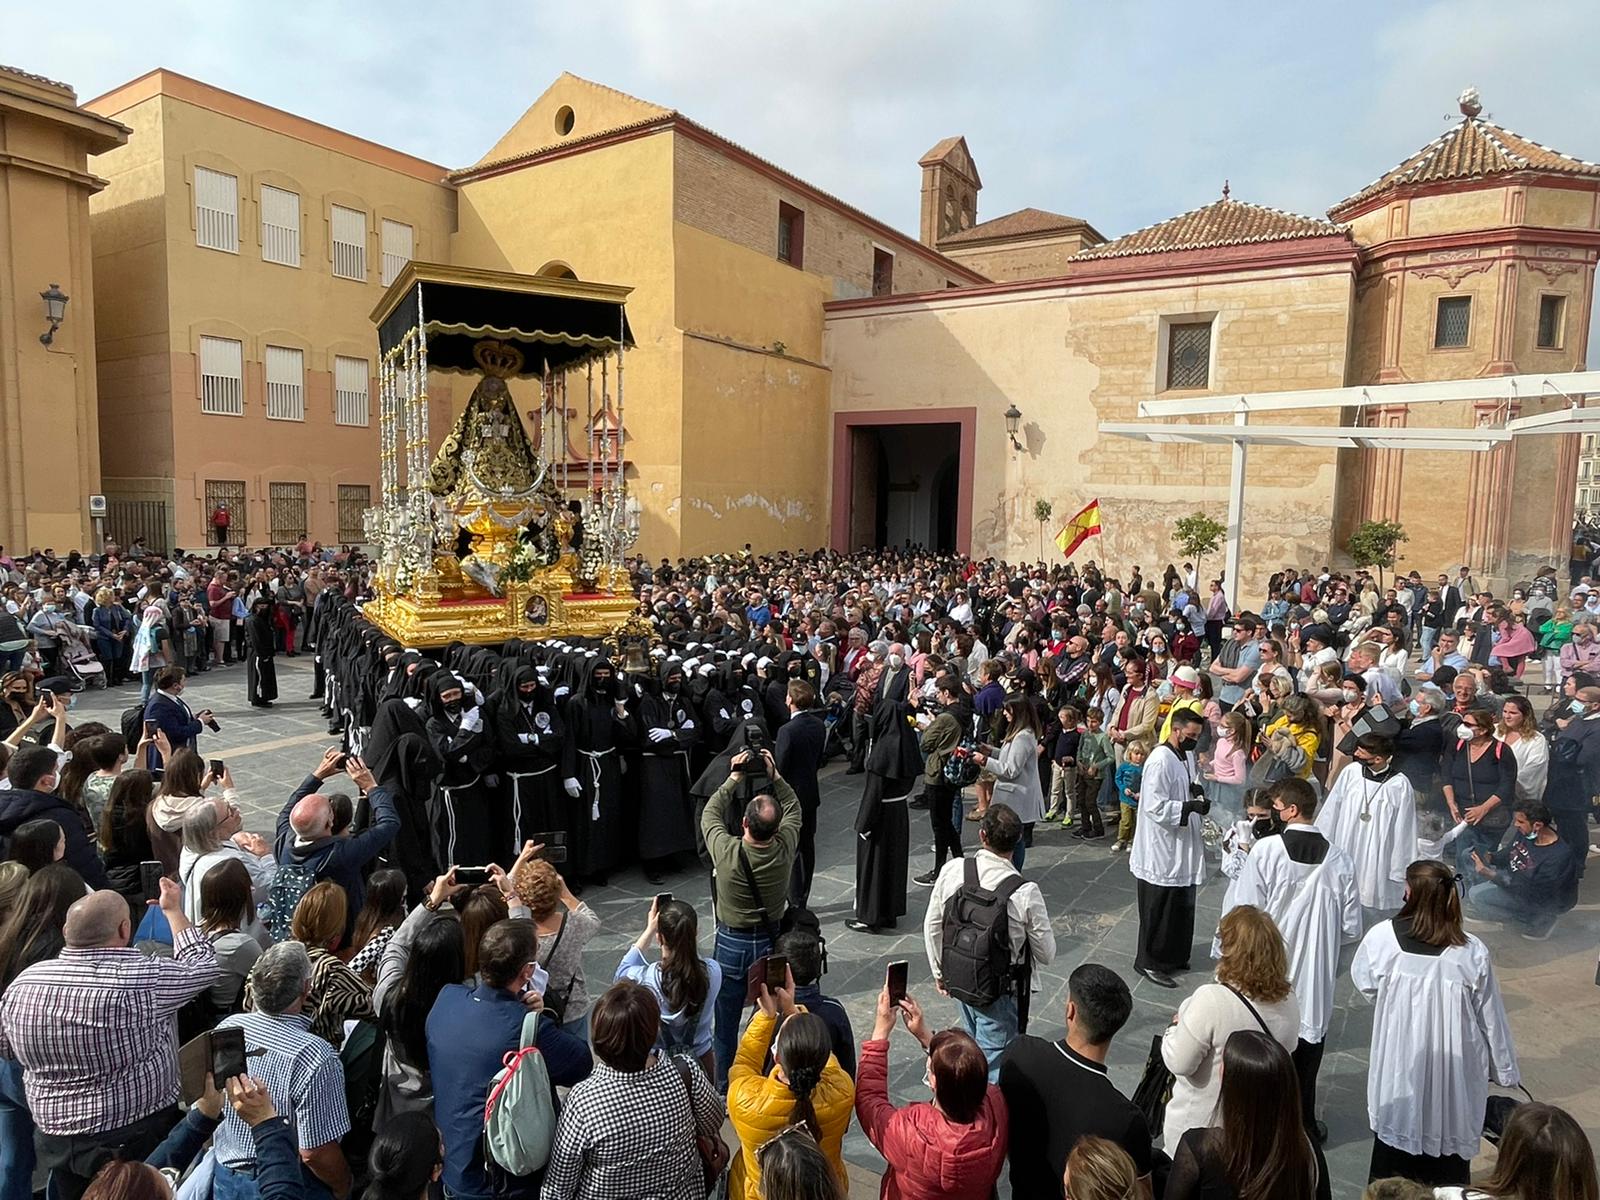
<point x="277" y="1174"/>
<point x="805" y="1086"/>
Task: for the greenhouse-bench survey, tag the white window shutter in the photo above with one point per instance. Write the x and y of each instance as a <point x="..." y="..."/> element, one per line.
<point x="398" y="246"/>
<point x="350" y="391"/>
<point x="280" y="226"/>
<point x="222" y="376"/>
<point x="286" y="384"/>
<point x="349" y="243"/>
<point x="216" y="210"/>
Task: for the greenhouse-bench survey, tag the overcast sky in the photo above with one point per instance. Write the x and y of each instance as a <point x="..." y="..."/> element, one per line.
<point x="1123" y="113"/>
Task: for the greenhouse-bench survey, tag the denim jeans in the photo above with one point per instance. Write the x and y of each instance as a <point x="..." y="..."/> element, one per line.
<point x="228" y="1184"/>
<point x="1430" y="635"/>
<point x="16" y="1135"/>
<point x="1489" y="901"/>
<point x="11" y="660"/>
<point x="736" y="951"/>
<point x="993" y="1027"/>
<point x="1475" y="837"/>
<point x="146" y="683"/>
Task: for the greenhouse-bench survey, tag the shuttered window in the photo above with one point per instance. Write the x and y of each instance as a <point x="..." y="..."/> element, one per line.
<point x="349" y="391"/>
<point x="1453" y="325"/>
<point x="286" y="513"/>
<point x="280" y="226"/>
<point x="398" y="240"/>
<point x="354" y="500"/>
<point x="286" y="384"/>
<point x="1189" y="355"/>
<point x="349" y="243"/>
<point x="216" y="210"/>
<point x="222" y="376"/>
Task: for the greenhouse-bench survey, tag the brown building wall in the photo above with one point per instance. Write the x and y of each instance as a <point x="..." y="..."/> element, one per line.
<point x="1035" y="258"/>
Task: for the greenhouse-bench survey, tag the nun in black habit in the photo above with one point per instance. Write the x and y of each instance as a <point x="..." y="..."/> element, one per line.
<point x="469" y="821"/>
<point x="883" y="826"/>
<point x="535" y="761"/>
<point x="260" y="672"/>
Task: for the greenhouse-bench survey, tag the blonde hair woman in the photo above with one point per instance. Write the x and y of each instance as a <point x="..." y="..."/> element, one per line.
<point x="1098" y="1169"/>
<point x="1252" y="991"/>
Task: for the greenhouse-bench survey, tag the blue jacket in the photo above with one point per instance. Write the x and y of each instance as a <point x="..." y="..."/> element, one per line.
<point x="278" y="1172"/>
<point x="18" y="807"/>
<point x="341" y="859"/>
<point x="470" y="1031"/>
<point x="173" y="718"/>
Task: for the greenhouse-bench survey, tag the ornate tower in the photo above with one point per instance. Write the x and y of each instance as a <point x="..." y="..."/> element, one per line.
<point x="950" y="186"/>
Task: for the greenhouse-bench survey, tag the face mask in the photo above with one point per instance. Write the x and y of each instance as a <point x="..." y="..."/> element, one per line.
<point x="1263" y="827"/>
<point x="1164" y="690"/>
<point x="49" y="608"/>
<point x="896" y="661"/>
<point x="1531" y="836"/>
<point x="1351" y="697"/>
<point x="453" y="707"/>
<point x="1416" y="709"/>
<point x="527" y="697"/>
<point x="1187" y="744"/>
<point x="1577" y="707"/>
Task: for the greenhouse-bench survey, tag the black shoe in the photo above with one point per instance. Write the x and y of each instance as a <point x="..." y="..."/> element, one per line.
<point x="1159" y="978"/>
<point x="920" y="804"/>
<point x="855" y="770"/>
<point x="860" y="926"/>
<point x="655" y="877"/>
<point x="926" y="878"/>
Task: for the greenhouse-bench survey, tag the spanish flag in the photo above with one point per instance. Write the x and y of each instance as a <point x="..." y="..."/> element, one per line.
<point x="1085" y="524"/>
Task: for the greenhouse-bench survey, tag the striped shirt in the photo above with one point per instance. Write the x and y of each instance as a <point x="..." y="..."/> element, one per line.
<point x="302" y="1073"/>
<point x="337" y="995"/>
<point x="93" y="1031"/>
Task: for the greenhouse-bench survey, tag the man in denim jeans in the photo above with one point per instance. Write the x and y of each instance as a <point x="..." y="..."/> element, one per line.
<point x="993" y="1026"/>
<point x="747" y="919"/>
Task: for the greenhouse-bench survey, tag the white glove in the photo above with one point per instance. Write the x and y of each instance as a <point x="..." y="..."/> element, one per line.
<point x="659" y="735"/>
<point x="528" y="738"/>
<point x="562" y="692"/>
<point x="686" y="725"/>
<point x="572" y="787"/>
<point x="472" y="720"/>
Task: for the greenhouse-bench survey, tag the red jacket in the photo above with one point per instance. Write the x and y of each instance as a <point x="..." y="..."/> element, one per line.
<point x="929" y="1156"/>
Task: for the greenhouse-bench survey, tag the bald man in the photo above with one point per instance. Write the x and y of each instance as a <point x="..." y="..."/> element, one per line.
<point x="92" y="1029"/>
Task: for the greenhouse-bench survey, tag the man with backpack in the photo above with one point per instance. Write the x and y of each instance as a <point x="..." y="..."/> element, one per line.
<point x="308" y="851"/>
<point x="985" y="928"/>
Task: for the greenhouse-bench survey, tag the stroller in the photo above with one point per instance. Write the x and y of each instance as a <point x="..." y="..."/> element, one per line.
<point x="79" y="660"/>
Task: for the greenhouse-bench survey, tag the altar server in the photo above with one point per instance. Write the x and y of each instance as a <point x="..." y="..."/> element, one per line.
<point x="1439" y="1034"/>
<point x="468" y="818"/>
<point x="667" y="731"/>
<point x="597" y="724"/>
<point x="1168" y="859"/>
<point x="530" y="739"/>
<point x="1371" y="814"/>
<point x="1308" y="886"/>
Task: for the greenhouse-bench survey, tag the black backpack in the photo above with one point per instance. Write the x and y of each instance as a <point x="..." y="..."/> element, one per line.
<point x="132" y="724"/>
<point x="975" y="955"/>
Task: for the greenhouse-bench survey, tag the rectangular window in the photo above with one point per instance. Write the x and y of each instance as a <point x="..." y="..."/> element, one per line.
<point x="286" y="512"/>
<point x="228" y="494"/>
<point x="398" y="240"/>
<point x="882" y="272"/>
<point x="286" y="384"/>
<point x="349" y="243"/>
<point x="1552" y="319"/>
<point x="280" y="226"/>
<point x="1189" y="354"/>
<point x="791" y="234"/>
<point x="354" y="500"/>
<point x="349" y="391"/>
<point x="222" y="376"/>
<point x="216" y="210"/>
<point x="1453" y="323"/>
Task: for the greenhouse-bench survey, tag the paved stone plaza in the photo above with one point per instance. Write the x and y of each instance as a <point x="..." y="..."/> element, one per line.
<point x="1549" y="986"/>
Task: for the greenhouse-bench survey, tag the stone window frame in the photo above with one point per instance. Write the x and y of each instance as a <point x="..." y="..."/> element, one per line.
<point x="1164" y="348"/>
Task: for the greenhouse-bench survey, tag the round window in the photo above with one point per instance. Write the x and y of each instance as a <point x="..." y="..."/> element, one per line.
<point x="565" y="120"/>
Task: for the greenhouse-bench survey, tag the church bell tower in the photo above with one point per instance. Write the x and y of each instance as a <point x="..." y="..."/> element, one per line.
<point x="950" y="186"/>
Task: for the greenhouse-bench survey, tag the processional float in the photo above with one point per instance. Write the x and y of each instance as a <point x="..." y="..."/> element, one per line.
<point x="501" y="534"/>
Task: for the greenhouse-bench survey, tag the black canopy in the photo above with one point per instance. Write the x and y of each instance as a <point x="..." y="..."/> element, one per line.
<point x="556" y="323"/>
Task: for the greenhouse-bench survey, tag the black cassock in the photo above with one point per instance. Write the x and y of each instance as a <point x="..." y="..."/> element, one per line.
<point x="405" y="764"/>
<point x="595" y="836"/>
<point x="469" y="820"/>
<point x="260" y="671"/>
<point x="666" y="814"/>
<point x="531" y="744"/>
<point x="883" y="827"/>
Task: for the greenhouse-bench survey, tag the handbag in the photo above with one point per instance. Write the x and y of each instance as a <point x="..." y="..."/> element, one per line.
<point x="1155" y="1088"/>
<point x="714" y="1154"/>
<point x="1497" y="1111"/>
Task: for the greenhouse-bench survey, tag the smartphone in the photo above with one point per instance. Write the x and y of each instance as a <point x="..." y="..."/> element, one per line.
<point x="341" y="760"/>
<point x="217" y="768"/>
<point x="777" y="971"/>
<point x="149" y="729"/>
<point x="227" y="1054"/>
<point x="662" y="900"/>
<point x="46" y="697"/>
<point x="472" y="876"/>
<point x="150" y="879"/>
<point x="555" y="845"/>
<point x="895" y="980"/>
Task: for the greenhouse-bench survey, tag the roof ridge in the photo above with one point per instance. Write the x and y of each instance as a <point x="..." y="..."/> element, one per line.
<point x="1582" y="162"/>
<point x="1133" y="242"/>
<point x="615" y="91"/>
<point x="1485" y="127"/>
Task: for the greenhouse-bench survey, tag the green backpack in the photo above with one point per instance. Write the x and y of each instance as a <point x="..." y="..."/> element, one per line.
<point x="519" y="1118"/>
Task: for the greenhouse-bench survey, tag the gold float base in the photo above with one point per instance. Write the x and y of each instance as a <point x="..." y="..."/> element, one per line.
<point x="422" y="618"/>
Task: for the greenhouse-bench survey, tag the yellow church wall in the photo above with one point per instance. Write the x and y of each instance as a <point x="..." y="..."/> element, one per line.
<point x="607" y="215"/>
<point x="1070" y="358"/>
<point x="1561" y="208"/>
<point x="1035" y="258"/>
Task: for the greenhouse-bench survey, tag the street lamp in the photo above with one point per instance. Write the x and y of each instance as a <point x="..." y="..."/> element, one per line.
<point x="1013" y="417"/>
<point x="55" y="311"/>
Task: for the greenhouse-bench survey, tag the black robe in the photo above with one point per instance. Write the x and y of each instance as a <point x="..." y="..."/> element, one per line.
<point x="883" y="826"/>
<point x="596" y="736"/>
<point x="405" y="764"/>
<point x="530" y="742"/>
<point x="470" y="822"/>
<point x="666" y="815"/>
<point x="260" y="671"/>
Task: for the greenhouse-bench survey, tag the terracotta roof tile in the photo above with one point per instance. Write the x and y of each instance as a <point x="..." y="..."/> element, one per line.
<point x="1025" y="222"/>
<point x="1471" y="149"/>
<point x="29" y="75"/>
<point x="1221" y="223"/>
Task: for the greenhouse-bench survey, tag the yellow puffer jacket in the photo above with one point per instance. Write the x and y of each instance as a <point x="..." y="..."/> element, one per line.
<point x="1303" y="736"/>
<point x="760" y="1105"/>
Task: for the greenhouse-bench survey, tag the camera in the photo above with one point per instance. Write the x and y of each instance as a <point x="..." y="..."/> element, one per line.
<point x="1197" y="791"/>
<point x="756" y="741"/>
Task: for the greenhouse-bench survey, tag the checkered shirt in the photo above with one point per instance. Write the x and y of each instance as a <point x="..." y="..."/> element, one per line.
<point x="302" y="1073"/>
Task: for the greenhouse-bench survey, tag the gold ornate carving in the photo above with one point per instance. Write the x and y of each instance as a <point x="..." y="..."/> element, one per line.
<point x="486" y="446"/>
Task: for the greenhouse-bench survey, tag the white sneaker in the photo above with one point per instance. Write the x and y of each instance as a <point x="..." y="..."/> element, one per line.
<point x="1480" y="923"/>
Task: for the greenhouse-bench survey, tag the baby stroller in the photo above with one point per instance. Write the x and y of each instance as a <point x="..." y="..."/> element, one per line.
<point x="836" y="718"/>
<point x="79" y="660"/>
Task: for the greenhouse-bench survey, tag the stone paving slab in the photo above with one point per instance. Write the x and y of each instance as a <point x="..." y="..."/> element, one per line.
<point x="1549" y="986"/>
